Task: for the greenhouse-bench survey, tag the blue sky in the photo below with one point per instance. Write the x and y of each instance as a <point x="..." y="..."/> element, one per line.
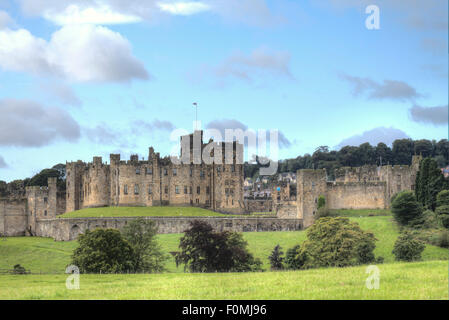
<point x="83" y="78"/>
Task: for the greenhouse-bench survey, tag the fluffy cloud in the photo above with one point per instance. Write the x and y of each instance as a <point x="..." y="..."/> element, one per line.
<point x="374" y="136"/>
<point x="3" y="164"/>
<point x="432" y="115"/>
<point x="183" y="8"/>
<point x="388" y="89"/>
<point x="81" y="53"/>
<point x="102" y="134"/>
<point x="222" y="124"/>
<point x="5" y="19"/>
<point x="26" y="123"/>
<point x="62" y="92"/>
<point x="62" y="12"/>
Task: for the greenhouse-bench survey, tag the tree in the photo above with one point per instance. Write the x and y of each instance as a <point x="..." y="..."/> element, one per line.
<point x="408" y="248"/>
<point x="203" y="250"/>
<point x="292" y="261"/>
<point x="141" y="235"/>
<point x="336" y="242"/>
<point x="403" y="151"/>
<point x="423" y="147"/>
<point x="103" y="251"/>
<point x="41" y="179"/>
<point x="429" y="181"/>
<point x="276" y="259"/>
<point x="442" y="209"/>
<point x="406" y="210"/>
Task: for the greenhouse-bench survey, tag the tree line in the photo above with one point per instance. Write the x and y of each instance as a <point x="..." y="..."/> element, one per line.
<point x="400" y="153"/>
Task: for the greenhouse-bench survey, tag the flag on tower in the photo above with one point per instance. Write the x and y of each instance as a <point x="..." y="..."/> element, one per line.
<point x="195" y="104"/>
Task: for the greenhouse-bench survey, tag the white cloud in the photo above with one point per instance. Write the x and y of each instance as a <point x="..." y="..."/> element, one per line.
<point x="5" y="19"/>
<point x="374" y="136"/>
<point x="28" y="124"/>
<point x="183" y="8"/>
<point x="80" y="53"/>
<point x="3" y="163"/>
<point x="75" y="14"/>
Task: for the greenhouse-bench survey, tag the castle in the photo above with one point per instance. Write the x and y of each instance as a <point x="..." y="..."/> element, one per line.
<point x="194" y="181"/>
<point x="159" y="181"/>
<point x="366" y="187"/>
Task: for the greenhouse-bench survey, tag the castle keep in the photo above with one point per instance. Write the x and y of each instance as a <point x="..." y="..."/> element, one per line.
<point x="159" y="181"/>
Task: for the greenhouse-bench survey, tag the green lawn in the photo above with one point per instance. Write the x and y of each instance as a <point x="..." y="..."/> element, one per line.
<point x="360" y="212"/>
<point x="143" y="212"/>
<point x="422" y="280"/>
<point x="46" y="255"/>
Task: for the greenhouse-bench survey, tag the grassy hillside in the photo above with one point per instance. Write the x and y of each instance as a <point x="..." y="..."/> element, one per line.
<point x="47" y="255"/>
<point x="143" y="212"/>
<point x="422" y="280"/>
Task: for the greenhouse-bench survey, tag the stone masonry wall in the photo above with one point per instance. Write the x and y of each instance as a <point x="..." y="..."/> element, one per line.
<point x="352" y="195"/>
<point x="13" y="217"/>
<point x="69" y="229"/>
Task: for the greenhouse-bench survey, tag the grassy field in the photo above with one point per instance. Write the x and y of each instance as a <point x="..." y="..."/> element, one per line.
<point x="422" y="280"/>
<point x="143" y="212"/>
<point x="46" y="255"/>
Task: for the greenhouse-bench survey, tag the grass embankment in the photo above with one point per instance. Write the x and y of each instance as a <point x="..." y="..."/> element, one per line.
<point x="46" y="255"/>
<point x="144" y="212"/>
<point x="421" y="280"/>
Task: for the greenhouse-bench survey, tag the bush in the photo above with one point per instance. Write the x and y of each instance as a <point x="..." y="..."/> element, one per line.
<point x="292" y="261"/>
<point x="203" y="250"/>
<point x="443" y="198"/>
<point x="336" y="242"/>
<point x="321" y="202"/>
<point x="405" y="208"/>
<point x="18" y="269"/>
<point x="429" y="220"/>
<point x="141" y="235"/>
<point x="103" y="251"/>
<point x="408" y="248"/>
<point x="276" y="259"/>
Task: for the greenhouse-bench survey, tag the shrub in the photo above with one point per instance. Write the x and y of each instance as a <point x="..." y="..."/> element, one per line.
<point x="407" y="247"/>
<point x="336" y="242"/>
<point x="405" y="208"/>
<point x="103" y="251"/>
<point x="18" y="269"/>
<point x="429" y="220"/>
<point x="292" y="261"/>
<point x="141" y="235"/>
<point x="322" y="212"/>
<point x="203" y="250"/>
<point x="276" y="259"/>
<point x="321" y="202"/>
<point x="443" y="198"/>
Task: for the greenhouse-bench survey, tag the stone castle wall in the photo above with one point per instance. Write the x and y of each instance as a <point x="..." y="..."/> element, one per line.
<point x="13" y="216"/>
<point x="69" y="229"/>
<point x="354" y="195"/>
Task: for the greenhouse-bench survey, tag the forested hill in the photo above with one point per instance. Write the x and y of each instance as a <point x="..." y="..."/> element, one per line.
<point x="350" y="156"/>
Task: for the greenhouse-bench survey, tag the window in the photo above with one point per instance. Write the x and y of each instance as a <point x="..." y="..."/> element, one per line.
<point x="233" y="168"/>
<point x="137" y="170"/>
<point x="207" y="190"/>
<point x="190" y="191"/>
<point x="125" y="189"/>
<point x="175" y="172"/>
<point x="218" y="168"/>
<point x="45" y="200"/>
<point x="197" y="201"/>
<point x="68" y="195"/>
<point x="198" y="190"/>
<point x="177" y="189"/>
<point x="149" y="170"/>
<point x="202" y="174"/>
<point x="136" y="189"/>
<point x="165" y="172"/>
<point x="149" y="190"/>
<point x="45" y="212"/>
<point x="185" y="189"/>
<point x="166" y="190"/>
<point x="191" y="172"/>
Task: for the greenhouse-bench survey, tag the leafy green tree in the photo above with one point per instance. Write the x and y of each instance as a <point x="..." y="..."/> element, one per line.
<point x="406" y="210"/>
<point x="276" y="259"/>
<point x="292" y="261"/>
<point x="443" y="198"/>
<point x="141" y="235"/>
<point x="203" y="250"/>
<point x="423" y="147"/>
<point x="429" y="182"/>
<point x="336" y="242"/>
<point x="402" y="151"/>
<point x="321" y="202"/>
<point x="103" y="251"/>
<point x="408" y="248"/>
<point x="442" y="209"/>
